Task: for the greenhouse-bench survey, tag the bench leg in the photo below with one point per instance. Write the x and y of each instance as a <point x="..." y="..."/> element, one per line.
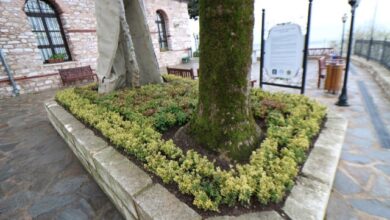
<point x="319" y="79"/>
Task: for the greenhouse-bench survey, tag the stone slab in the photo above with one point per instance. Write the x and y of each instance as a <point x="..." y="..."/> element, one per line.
<point x="307" y="200"/>
<point x="152" y="201"/>
<point x="309" y="197"/>
<point x="266" y="215"/>
<point x="323" y="160"/>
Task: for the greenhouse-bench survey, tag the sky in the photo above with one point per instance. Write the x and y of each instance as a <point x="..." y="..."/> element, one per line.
<point x="326" y="23"/>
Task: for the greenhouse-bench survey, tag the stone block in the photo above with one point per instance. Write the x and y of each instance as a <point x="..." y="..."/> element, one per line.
<point x="308" y="200"/>
<point x="124" y="178"/>
<point x="323" y="160"/>
<point x="158" y="203"/>
<point x="322" y="164"/>
<point x="266" y="215"/>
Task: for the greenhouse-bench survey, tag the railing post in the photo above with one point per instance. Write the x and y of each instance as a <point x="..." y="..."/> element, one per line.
<point x="383" y="52"/>
<point x="262" y="53"/>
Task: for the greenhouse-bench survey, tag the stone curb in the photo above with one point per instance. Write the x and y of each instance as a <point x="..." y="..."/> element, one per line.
<point x="129" y="187"/>
<point x="377" y="71"/>
<point x="137" y="197"/>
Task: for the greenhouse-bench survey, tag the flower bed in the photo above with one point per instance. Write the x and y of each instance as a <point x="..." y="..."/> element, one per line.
<point x="132" y="119"/>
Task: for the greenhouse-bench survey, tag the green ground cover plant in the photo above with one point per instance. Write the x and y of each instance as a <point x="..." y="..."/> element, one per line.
<point x="134" y="120"/>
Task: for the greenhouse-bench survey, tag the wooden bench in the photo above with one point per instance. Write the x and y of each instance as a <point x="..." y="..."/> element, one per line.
<point x="321" y="68"/>
<point x="253" y="83"/>
<point x="72" y="75"/>
<point x="185" y="73"/>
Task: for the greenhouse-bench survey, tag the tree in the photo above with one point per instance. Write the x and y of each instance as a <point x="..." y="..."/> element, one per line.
<point x="224" y="122"/>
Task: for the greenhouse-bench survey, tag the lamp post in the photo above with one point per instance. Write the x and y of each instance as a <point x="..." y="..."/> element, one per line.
<point x="344" y="19"/>
<point x="372" y="32"/>
<point x="343" y="98"/>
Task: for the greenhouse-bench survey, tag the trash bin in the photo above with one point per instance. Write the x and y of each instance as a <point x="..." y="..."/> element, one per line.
<point x="334" y="72"/>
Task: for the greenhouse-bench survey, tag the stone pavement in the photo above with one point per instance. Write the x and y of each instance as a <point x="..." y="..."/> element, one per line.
<point x="40" y="178"/>
<point x="362" y="185"/>
<point x="361" y="188"/>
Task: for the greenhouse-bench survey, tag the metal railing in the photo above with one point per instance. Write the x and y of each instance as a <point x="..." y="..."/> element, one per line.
<point x="379" y="52"/>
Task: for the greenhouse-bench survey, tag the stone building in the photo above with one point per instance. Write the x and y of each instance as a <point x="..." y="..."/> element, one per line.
<point x="31" y="31"/>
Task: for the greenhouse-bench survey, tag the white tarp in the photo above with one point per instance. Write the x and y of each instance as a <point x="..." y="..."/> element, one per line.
<point x="126" y="54"/>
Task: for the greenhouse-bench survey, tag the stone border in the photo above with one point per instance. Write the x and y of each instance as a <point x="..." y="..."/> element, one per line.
<point x="380" y="74"/>
<point x="137" y="197"/>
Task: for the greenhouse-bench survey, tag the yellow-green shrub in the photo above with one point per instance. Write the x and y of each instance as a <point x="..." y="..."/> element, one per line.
<point x="292" y="121"/>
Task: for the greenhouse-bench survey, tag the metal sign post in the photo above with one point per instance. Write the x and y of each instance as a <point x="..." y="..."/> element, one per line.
<point x="305" y="53"/>
<point x="262" y="48"/>
<point x="281" y="72"/>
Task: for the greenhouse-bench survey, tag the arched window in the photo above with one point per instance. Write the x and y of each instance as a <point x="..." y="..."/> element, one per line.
<point x="162" y="31"/>
<point x="46" y="25"/>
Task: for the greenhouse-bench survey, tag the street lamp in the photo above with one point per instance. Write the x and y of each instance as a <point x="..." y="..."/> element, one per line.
<point x="344" y="19"/>
<point x="343" y="98"/>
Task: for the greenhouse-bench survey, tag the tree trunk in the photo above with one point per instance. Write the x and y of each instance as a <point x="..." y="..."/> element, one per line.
<point x="224" y="122"/>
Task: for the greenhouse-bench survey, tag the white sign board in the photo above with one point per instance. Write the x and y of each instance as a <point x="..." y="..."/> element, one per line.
<point x="284" y="51"/>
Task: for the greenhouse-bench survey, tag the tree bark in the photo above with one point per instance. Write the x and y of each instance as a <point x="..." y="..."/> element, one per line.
<point x="224" y="122"/>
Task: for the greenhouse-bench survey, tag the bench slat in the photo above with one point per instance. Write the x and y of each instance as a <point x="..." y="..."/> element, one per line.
<point x="77" y="74"/>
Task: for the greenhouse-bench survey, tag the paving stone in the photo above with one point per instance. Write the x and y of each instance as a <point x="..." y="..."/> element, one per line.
<point x="74" y="214"/>
<point x="49" y="203"/>
<point x="355" y="158"/>
<point x="384" y="168"/>
<point x="382" y="155"/>
<point x="7" y="147"/>
<point x="354" y="142"/>
<point x="39" y="160"/>
<point x="339" y="208"/>
<point x="362" y="133"/>
<point x="381" y="187"/>
<point x="16" y="201"/>
<point x="89" y="190"/>
<point x="372" y="206"/>
<point x="345" y="185"/>
<point x="158" y="203"/>
<point x="69" y="185"/>
<point x="361" y="174"/>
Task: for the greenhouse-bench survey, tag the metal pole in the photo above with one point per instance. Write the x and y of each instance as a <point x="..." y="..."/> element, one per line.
<point x="10" y="76"/>
<point x="262" y="48"/>
<point x="343" y="98"/>
<point x="305" y="52"/>
<point x="372" y="32"/>
<point x="342" y="41"/>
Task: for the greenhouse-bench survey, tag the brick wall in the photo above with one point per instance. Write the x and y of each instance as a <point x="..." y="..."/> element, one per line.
<point x="177" y="25"/>
<point x="21" y="51"/>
